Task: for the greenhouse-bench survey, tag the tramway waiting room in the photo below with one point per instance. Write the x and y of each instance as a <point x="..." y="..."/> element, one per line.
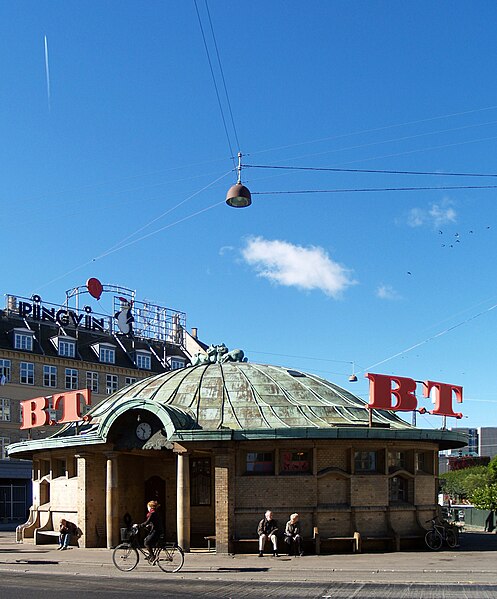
<point x="220" y="442"/>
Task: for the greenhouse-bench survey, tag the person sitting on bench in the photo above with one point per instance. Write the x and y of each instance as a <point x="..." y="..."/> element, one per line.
<point x="293" y="538"/>
<point x="267" y="529"/>
<point x="66" y="531"/>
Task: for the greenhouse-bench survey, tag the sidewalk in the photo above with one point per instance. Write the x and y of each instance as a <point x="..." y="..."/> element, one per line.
<point x="475" y="561"/>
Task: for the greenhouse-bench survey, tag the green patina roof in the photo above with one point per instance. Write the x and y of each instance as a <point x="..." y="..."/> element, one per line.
<point x="239" y="400"/>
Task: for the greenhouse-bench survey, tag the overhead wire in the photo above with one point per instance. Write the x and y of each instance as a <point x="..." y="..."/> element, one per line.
<point x="107" y="253"/>
<point x="392" y="140"/>
<point x="363" y="170"/>
<point x="374" y="129"/>
<point x="221" y="70"/>
<point x="96" y="185"/>
<point x="168" y="226"/>
<point x="373" y="189"/>
<point x="196" y="193"/>
<point x="215" y="83"/>
<point x="436" y="336"/>
<point x="416" y="151"/>
<point x="117" y="247"/>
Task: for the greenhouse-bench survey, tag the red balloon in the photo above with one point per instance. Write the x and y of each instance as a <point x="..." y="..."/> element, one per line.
<point x="95" y="288"/>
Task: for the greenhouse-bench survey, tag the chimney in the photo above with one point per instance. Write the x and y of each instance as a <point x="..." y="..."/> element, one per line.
<point x="194" y="332"/>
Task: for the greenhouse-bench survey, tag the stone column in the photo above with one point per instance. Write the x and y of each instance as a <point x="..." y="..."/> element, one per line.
<point x="224" y="481"/>
<point x="111" y="509"/>
<point x="183" y="501"/>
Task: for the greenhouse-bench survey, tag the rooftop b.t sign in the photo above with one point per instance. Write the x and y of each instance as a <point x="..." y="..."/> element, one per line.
<point x="390" y="392"/>
<point x="35" y="411"/>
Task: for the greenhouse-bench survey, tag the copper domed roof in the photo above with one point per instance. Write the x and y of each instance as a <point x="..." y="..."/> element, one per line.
<point x="241" y="395"/>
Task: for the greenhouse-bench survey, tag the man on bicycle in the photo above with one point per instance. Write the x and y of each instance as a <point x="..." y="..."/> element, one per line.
<point x="153" y="524"/>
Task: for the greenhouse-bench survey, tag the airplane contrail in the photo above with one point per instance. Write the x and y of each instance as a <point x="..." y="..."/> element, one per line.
<point x="47" y="72"/>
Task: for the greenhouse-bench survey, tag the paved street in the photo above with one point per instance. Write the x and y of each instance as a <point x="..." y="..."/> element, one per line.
<point x="33" y="572"/>
<point x="21" y="586"/>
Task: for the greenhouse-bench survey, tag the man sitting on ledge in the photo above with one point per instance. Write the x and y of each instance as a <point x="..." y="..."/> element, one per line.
<point x="66" y="530"/>
<point x="267" y="529"/>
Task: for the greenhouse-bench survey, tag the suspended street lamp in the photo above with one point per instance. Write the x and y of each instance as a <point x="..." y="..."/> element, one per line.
<point x="238" y="195"/>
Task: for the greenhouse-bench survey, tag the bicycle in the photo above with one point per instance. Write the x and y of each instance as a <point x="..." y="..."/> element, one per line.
<point x="440" y="533"/>
<point x="168" y="556"/>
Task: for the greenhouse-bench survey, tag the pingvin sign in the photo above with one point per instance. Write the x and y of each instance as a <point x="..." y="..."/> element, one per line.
<point x="63" y="316"/>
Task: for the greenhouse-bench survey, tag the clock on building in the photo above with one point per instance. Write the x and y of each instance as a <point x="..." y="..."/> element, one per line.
<point x="143" y="431"/>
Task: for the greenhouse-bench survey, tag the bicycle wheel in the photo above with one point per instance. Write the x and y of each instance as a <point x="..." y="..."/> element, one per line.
<point x="125" y="557"/>
<point x="433" y="539"/>
<point x="450" y="537"/>
<point x="170" y="559"/>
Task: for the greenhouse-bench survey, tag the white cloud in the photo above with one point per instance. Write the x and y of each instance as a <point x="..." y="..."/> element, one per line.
<point x="387" y="292"/>
<point x="435" y="216"/>
<point x="296" y="266"/>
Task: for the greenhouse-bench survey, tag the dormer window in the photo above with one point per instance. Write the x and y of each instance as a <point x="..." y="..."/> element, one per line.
<point x="66" y="346"/>
<point x="106" y="352"/>
<point x="143" y="360"/>
<point x="175" y="363"/>
<point x="23" y="339"/>
<point x="67" y="349"/>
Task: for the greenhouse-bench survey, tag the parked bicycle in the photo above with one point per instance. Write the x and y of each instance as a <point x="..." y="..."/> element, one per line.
<point x="440" y="533"/>
<point x="168" y="556"/>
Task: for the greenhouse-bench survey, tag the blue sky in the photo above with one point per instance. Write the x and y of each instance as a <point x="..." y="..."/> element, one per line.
<point x="119" y="170"/>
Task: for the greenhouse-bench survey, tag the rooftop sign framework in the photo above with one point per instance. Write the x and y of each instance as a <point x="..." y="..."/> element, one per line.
<point x="125" y="314"/>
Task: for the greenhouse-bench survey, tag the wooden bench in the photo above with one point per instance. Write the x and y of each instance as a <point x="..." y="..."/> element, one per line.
<point x="209" y="540"/>
<point x="252" y="545"/>
<point x="354" y="541"/>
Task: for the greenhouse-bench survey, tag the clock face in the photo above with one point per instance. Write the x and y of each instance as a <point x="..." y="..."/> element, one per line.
<point x="144" y="431"/>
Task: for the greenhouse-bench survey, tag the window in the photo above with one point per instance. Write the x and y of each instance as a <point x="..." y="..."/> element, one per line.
<point x="27" y="373"/>
<point x="365" y="461"/>
<point x="23" y="341"/>
<point x="107" y="354"/>
<point x="4" y="441"/>
<point x="177" y="363"/>
<point x="112" y="383"/>
<point x="5" y="371"/>
<point x="129" y="380"/>
<point x="143" y="361"/>
<point x="200" y="481"/>
<point x="396" y="460"/>
<point x="71" y="378"/>
<point x="398" y="486"/>
<point x="50" y="376"/>
<point x="293" y="461"/>
<point x="92" y="381"/>
<point x="67" y="349"/>
<point x="4" y="409"/>
<point x="260" y="462"/>
<point x="424" y="461"/>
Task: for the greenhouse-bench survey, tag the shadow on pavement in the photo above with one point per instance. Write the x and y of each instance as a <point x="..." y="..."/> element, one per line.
<point x="243" y="569"/>
<point x="36" y="562"/>
<point x="25" y="549"/>
<point x="478" y="541"/>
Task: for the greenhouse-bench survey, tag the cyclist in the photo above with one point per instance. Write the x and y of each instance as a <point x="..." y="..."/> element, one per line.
<point x="153" y="524"/>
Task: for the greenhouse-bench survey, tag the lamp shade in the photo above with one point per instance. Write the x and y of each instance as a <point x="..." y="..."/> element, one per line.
<point x="238" y="196"/>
